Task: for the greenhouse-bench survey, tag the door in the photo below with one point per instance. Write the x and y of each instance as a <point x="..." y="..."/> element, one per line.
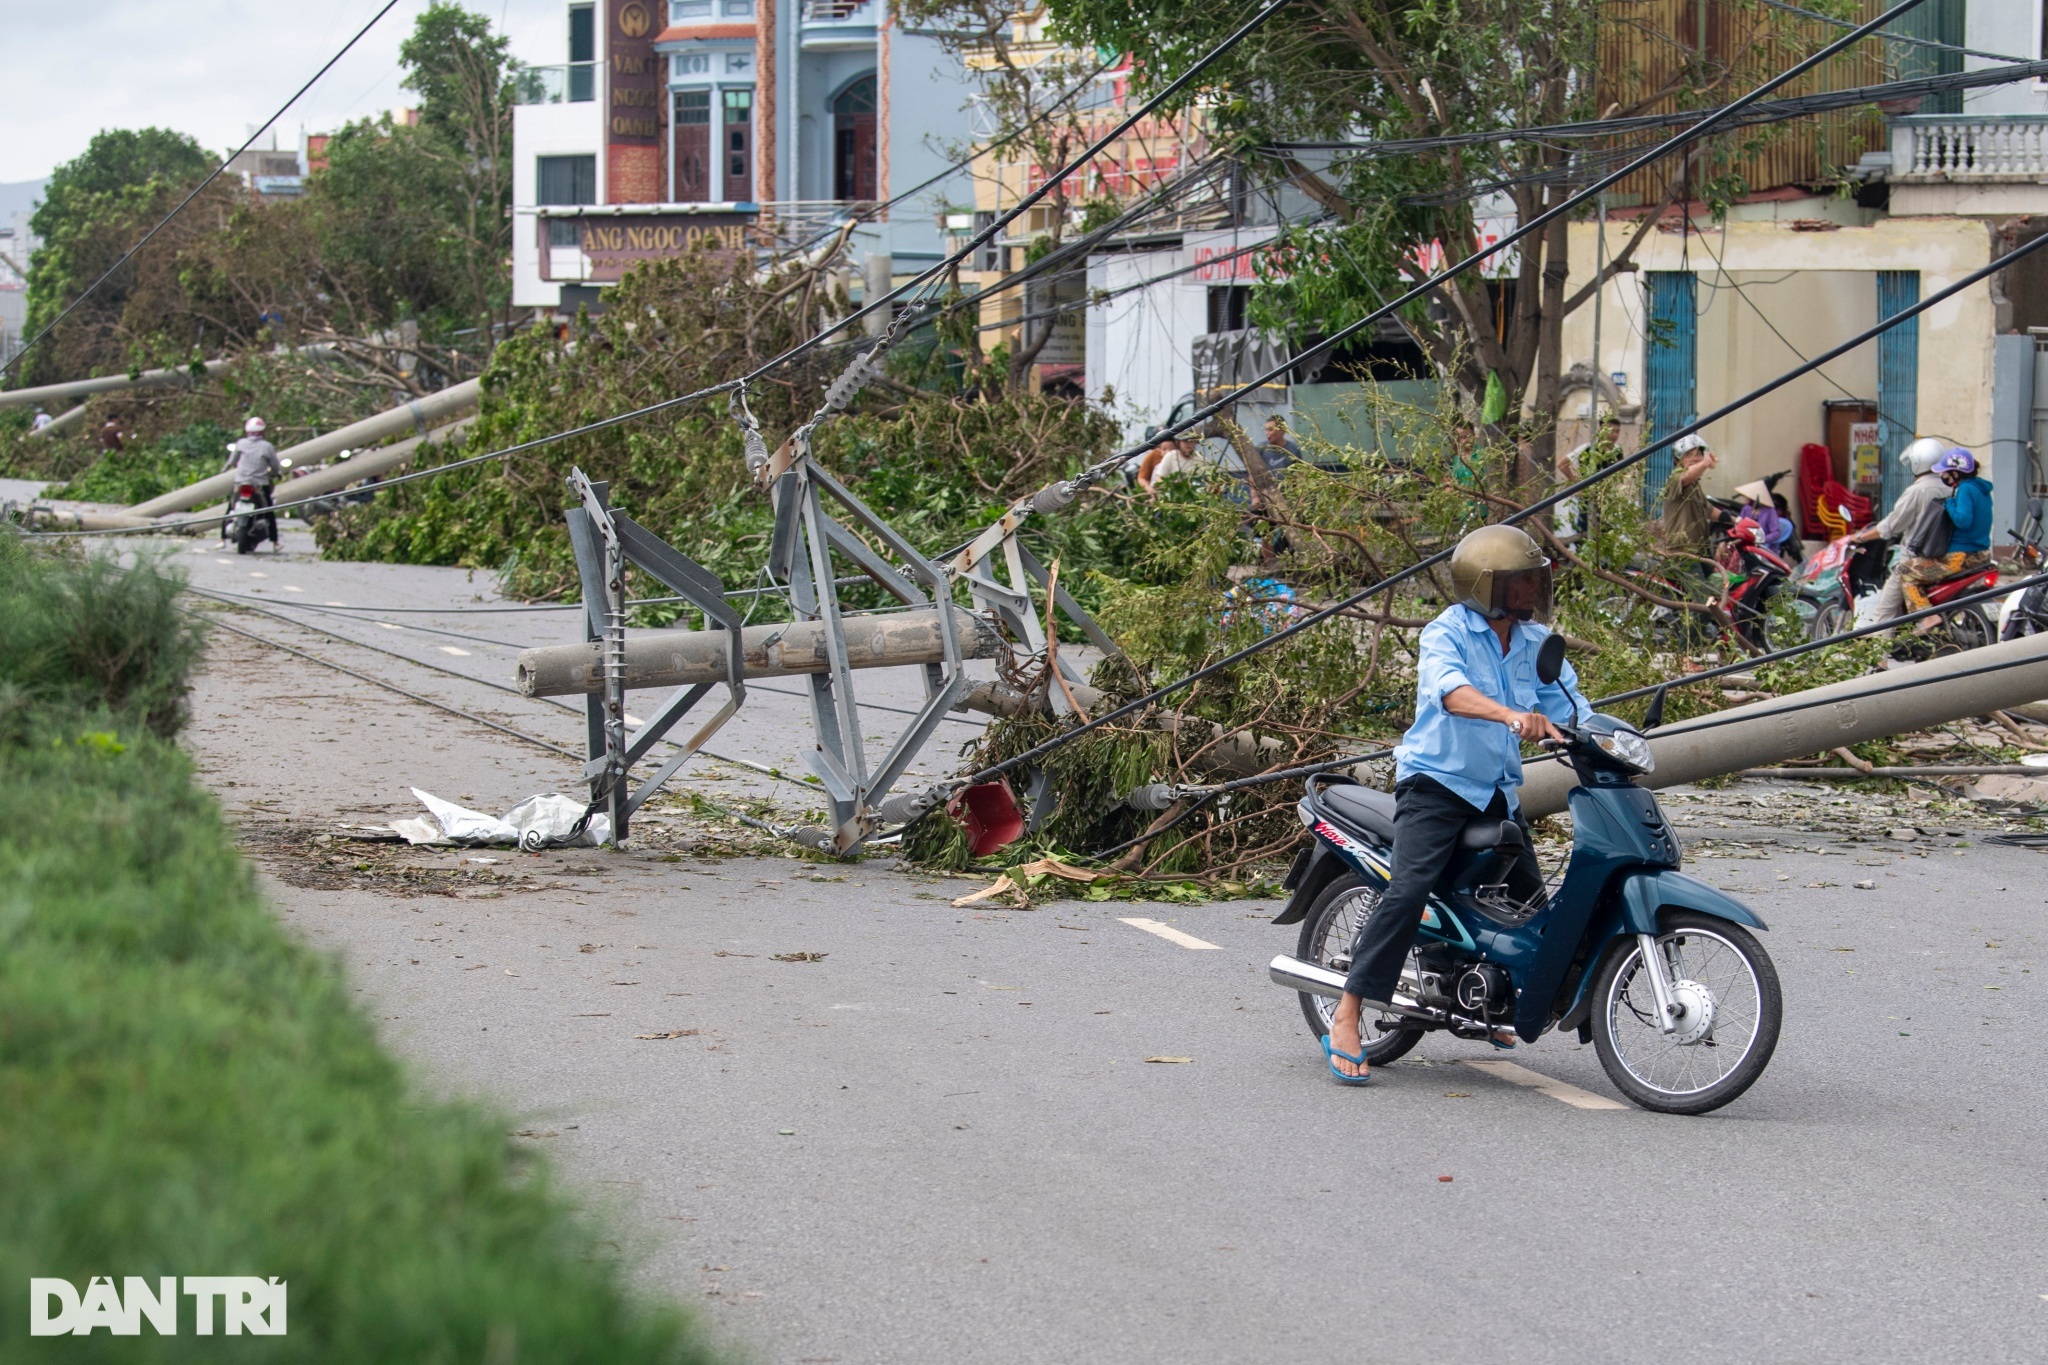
<point x="693" y="146"/>
<point x="736" y="132"/>
<point x="853" y="142"/>
<point x="1670" y="369"/>
<point x="1898" y="376"/>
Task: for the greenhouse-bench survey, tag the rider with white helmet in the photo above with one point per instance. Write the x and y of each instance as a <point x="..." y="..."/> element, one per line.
<point x="254" y="461"/>
<point x="1925" y="490"/>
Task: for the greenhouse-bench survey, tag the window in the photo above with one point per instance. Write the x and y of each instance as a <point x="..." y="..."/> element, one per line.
<point x="737" y="9"/>
<point x="692" y="135"/>
<point x="990" y="257"/>
<point x="1227" y="306"/>
<point x="691" y="64"/>
<point x="566" y="180"/>
<point x="582" y="54"/>
<point x="682" y="11"/>
<point x="737" y="134"/>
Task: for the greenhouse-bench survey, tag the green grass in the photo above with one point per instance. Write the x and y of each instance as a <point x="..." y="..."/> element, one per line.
<point x="185" y="1090"/>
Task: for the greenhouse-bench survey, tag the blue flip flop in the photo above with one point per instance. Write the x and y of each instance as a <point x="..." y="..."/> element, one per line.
<point x="1331" y="1055"/>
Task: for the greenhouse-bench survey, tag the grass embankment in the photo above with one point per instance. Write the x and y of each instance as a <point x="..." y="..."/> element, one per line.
<point x="184" y="1090"/>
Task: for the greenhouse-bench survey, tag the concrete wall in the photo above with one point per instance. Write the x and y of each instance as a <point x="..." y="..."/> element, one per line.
<point x="1818" y="287"/>
<point x="927" y="105"/>
<point x="2011" y="28"/>
<point x="1140" y="344"/>
<point x="540" y="130"/>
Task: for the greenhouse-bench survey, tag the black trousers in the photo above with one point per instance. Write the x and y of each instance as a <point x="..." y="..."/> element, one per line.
<point x="1428" y="818"/>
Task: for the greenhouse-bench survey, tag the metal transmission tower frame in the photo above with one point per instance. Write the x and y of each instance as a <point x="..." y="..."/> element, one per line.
<point x="800" y="554"/>
<point x="816" y="518"/>
<point x="604" y="542"/>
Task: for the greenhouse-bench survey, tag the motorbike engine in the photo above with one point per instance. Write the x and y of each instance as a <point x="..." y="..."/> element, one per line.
<point x="1484" y="990"/>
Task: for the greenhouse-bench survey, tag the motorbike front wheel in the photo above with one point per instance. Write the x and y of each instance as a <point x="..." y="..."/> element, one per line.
<point x="1327" y="934"/>
<point x="1727" y="1029"/>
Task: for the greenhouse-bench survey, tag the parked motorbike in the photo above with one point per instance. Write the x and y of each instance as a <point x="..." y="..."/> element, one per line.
<point x="1751" y="574"/>
<point x="1831" y="582"/>
<point x="1745" y="577"/>
<point x="2026" y="612"/>
<point x="1657" y="969"/>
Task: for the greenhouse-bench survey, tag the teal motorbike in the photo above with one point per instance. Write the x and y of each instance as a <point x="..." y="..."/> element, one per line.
<point x="1658" y="970"/>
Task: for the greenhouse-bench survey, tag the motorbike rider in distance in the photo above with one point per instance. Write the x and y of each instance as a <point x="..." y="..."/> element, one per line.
<point x="1477" y="700"/>
<point x="254" y="461"/>
<point x="1926" y="489"/>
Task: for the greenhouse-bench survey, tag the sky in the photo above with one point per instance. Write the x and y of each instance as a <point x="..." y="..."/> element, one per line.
<point x="214" y="68"/>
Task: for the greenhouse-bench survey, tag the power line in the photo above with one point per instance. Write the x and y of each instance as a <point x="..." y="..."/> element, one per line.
<point x="925" y="277"/>
<point x="217" y="170"/>
<point x="1905" y="38"/>
<point x="1425" y="287"/>
<point x="1543" y="504"/>
<point x="1762" y="111"/>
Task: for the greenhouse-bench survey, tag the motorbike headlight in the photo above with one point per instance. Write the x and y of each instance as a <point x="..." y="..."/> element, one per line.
<point x="1627" y="748"/>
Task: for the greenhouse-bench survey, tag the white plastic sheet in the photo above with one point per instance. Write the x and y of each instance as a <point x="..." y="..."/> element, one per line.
<point x="548" y="821"/>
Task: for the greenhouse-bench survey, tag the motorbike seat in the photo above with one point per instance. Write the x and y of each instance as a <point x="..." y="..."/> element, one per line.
<point x="1490" y="833"/>
<point x="1371" y="811"/>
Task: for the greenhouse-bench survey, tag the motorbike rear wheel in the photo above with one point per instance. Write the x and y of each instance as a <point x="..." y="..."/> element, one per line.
<point x="1969" y="627"/>
<point x="1327" y="934"/>
<point x="1734" y="1009"/>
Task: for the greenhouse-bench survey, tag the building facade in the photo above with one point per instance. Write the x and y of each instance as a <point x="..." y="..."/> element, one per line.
<point x="673" y="122"/>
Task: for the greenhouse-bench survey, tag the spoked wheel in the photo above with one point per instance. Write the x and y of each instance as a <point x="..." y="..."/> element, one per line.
<point x="1729" y="1012"/>
<point x="1327" y="934"/>
<point x="1969" y="627"/>
<point x="1831" y="619"/>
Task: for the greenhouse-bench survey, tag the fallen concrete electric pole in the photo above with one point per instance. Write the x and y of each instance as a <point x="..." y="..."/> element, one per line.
<point x="57" y="426"/>
<point x="1894" y="702"/>
<point x="684" y="658"/>
<point x="114" y="383"/>
<point x="419" y="412"/>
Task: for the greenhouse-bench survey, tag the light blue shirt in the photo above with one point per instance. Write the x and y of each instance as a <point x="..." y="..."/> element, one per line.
<point x="1476" y="758"/>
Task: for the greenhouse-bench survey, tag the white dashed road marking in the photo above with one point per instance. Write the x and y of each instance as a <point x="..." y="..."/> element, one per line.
<point x="451" y="649"/>
<point x="1170" y="934"/>
<point x="1544" y="1085"/>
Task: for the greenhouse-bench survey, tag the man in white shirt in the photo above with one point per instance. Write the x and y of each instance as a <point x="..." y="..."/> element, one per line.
<point x="253" y="461"/>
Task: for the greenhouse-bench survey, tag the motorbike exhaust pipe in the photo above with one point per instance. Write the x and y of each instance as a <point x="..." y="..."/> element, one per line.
<point x="1306" y="977"/>
<point x="1311" y="979"/>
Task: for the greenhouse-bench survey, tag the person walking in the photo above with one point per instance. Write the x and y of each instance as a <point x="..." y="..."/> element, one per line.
<point x="1968" y="512"/>
<point x="254" y="462"/>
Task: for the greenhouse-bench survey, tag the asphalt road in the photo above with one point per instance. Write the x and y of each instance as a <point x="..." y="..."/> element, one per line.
<point x="943" y="1141"/>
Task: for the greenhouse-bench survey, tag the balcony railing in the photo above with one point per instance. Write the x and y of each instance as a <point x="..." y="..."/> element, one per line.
<point x="838" y="12"/>
<point x="841" y="24"/>
<point x="1969" y="148"/>
<point x="575" y="83"/>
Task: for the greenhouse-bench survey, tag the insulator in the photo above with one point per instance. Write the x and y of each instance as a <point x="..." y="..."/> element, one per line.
<point x="1054" y="497"/>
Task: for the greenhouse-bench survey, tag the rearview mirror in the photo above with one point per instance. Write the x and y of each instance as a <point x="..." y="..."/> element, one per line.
<point x="1550" y="658"/>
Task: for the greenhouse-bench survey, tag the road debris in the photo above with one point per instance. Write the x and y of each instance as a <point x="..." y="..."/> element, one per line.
<point x="547" y="821"/>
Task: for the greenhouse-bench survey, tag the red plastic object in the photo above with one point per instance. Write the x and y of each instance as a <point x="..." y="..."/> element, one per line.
<point x="989" y="815"/>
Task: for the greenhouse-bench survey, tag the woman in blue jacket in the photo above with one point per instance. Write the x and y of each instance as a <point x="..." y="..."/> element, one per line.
<point x="1968" y="508"/>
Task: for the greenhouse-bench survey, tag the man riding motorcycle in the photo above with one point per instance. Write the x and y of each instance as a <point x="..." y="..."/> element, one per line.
<point x="1477" y="699"/>
<point x="254" y="462"/>
<point x="1926" y="488"/>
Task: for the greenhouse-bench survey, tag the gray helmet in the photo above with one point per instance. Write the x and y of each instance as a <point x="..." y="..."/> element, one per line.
<point x="1485" y="562"/>
<point x="1920" y="456"/>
